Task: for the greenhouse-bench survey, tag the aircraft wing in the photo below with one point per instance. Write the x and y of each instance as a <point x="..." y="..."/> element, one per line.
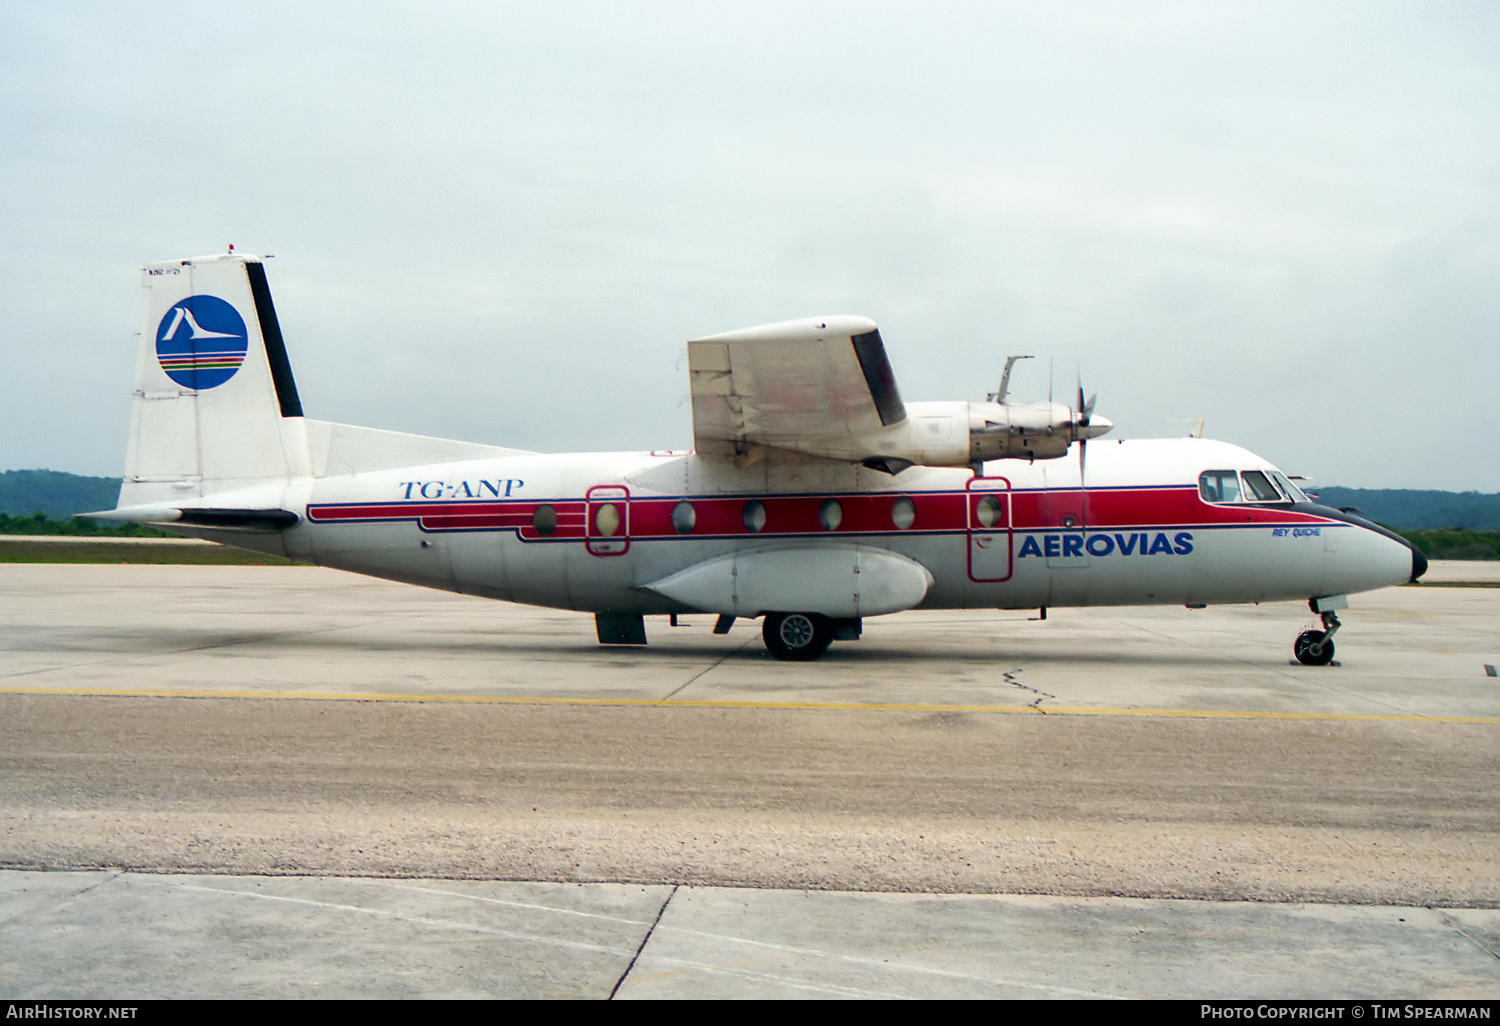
<point x="813" y="386"/>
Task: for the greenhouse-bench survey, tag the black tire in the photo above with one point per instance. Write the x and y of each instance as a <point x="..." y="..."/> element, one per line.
<point x="799" y="637"/>
<point x="1304" y="649"/>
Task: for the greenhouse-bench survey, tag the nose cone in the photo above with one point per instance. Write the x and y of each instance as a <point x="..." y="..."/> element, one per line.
<point x="1096" y="427"/>
<point x="1375" y="557"/>
<point x="1418" y="562"/>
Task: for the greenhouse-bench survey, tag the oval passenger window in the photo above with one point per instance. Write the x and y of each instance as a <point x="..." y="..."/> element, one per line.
<point x="607" y="519"/>
<point x="903" y="513"/>
<point x="684" y="517"/>
<point x="544" y="521"/>
<point x="987" y="512"/>
<point x="830" y="515"/>
<point x="754" y="517"/>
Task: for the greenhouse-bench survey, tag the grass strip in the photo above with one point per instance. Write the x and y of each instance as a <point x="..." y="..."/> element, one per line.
<point x="163" y="552"/>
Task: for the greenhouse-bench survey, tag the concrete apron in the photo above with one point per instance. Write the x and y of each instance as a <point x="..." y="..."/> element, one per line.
<point x="122" y="936"/>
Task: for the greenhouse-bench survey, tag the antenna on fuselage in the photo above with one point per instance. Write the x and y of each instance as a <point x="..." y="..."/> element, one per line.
<point x="1010" y="361"/>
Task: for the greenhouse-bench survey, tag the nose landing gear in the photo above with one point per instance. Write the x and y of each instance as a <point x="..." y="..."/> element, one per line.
<point x="1315" y="648"/>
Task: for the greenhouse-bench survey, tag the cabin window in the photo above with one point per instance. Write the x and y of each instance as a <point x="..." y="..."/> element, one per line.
<point x="830" y="515"/>
<point x="607" y="519"/>
<point x="1258" y="488"/>
<point x="684" y="517"/>
<point x="754" y="516"/>
<point x="544" y="521"/>
<point x="903" y="513"/>
<point x="987" y="511"/>
<point x="1219" y="486"/>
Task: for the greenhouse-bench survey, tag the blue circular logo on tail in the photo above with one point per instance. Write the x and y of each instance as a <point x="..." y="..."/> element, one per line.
<point x="201" y="342"/>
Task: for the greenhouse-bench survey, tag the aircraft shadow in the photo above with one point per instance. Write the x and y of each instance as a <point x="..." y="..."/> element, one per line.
<point x="179" y="641"/>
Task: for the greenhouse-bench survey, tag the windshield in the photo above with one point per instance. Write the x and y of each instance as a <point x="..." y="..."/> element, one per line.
<point x="1258" y="487"/>
<point x="1297" y="494"/>
<point x="1246" y="486"/>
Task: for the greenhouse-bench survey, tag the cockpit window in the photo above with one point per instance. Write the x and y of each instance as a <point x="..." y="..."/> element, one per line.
<point x="1296" y="494"/>
<point x="1219" y="486"/>
<point x="1258" y="487"/>
<point x="1225" y="486"/>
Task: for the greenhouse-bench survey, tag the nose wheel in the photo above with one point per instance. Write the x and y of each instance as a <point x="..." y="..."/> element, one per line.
<point x="798" y="637"/>
<point x="1315" y="648"/>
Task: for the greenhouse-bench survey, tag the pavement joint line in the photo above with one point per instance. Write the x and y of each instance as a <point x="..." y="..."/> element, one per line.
<point x="686" y="703"/>
<point x="112" y="875"/>
<point x="708" y="669"/>
<point x="1457" y="927"/>
<point x="644" y="941"/>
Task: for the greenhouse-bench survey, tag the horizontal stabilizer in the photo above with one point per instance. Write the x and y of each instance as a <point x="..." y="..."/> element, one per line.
<point x="219" y="518"/>
<point x="836" y="581"/>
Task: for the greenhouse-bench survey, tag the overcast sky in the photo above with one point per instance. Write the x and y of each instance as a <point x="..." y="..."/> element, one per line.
<point x="501" y="222"/>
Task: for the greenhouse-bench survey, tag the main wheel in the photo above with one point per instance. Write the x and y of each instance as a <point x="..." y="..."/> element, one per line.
<point x="1304" y="649"/>
<point x="797" y="636"/>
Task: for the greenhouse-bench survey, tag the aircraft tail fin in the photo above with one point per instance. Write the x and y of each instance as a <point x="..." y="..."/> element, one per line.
<point x="215" y="417"/>
<point x="215" y="408"/>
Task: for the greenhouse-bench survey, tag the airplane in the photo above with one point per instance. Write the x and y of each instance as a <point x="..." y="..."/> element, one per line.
<point x="814" y="496"/>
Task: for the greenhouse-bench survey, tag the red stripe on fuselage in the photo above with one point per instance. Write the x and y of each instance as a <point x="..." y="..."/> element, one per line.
<point x="457" y="516"/>
<point x="862" y="513"/>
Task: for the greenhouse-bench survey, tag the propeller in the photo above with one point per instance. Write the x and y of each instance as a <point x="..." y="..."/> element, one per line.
<point x="1081" y="421"/>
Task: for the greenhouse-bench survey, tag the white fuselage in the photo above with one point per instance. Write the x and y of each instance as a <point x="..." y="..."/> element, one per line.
<point x="1019" y="535"/>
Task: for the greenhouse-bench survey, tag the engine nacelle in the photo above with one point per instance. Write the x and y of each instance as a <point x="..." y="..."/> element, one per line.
<point x="1036" y="431"/>
<point x="956" y="434"/>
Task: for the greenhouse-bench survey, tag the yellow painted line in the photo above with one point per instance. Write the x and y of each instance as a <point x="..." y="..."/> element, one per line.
<point x="655" y="703"/>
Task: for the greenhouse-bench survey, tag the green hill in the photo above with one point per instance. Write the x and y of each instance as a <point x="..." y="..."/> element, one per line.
<point x="55" y="493"/>
<point x="1410" y="510"/>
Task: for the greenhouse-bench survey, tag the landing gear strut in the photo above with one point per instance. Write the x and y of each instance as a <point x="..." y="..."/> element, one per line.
<point x="1315" y="648"/>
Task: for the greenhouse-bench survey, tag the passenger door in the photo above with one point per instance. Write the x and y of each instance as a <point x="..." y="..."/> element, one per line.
<point x="990" y="538"/>
<point x="607" y="531"/>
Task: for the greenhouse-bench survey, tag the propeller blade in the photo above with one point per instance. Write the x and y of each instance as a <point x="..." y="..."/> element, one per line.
<point x="1083" y="483"/>
<point x="1085" y="408"/>
<point x="1082" y="419"/>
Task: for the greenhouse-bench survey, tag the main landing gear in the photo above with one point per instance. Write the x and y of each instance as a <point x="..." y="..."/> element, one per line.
<point x="1315" y="648"/>
<point x="797" y="636"/>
